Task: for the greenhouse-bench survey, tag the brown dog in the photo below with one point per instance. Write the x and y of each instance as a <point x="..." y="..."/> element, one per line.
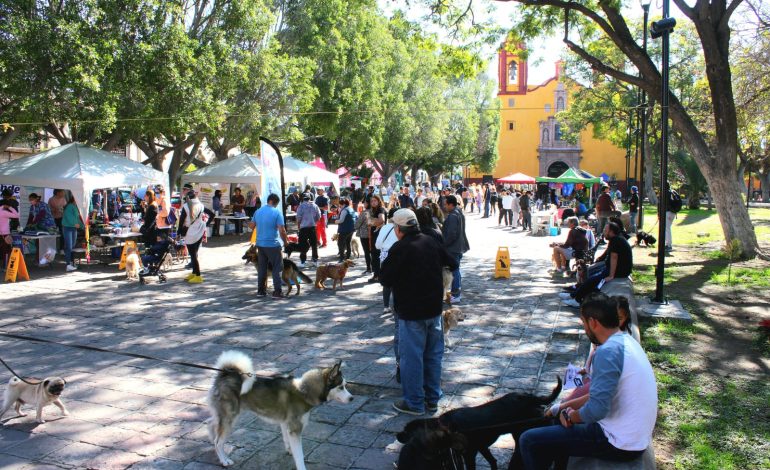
<point x="450" y="318"/>
<point x="334" y="271"/>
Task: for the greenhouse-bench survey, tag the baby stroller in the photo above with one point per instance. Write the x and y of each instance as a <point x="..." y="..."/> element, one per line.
<point x="155" y="259"/>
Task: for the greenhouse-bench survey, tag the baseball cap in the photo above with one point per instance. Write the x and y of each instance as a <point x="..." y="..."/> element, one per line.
<point x="634" y="189"/>
<point x="404" y="218"/>
<point x="305" y="196"/>
<point x="187" y="186"/>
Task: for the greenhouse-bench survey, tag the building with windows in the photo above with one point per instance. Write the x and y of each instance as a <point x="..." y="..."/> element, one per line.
<point x="530" y="138"/>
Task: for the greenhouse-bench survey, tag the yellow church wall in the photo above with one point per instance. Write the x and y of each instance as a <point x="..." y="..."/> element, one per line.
<point x="517" y="148"/>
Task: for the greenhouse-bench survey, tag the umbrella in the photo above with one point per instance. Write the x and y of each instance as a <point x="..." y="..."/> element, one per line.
<point x="517" y="178"/>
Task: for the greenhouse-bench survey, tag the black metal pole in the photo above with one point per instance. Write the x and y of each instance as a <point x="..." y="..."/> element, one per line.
<point x="663" y="199"/>
<point x="643" y="107"/>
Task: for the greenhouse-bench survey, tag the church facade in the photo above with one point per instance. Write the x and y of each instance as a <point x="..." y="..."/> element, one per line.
<point x="530" y="139"/>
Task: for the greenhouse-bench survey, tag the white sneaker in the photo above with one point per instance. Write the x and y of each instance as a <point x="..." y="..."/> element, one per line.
<point x="570" y="303"/>
<point x="71" y="267"/>
<point x="565" y="295"/>
<point x="387" y="310"/>
<point x="560" y="269"/>
<point x="567" y="274"/>
<point x="454" y="299"/>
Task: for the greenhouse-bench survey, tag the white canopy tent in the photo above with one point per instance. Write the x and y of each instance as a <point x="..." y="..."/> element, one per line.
<point x="243" y="168"/>
<point x="297" y="171"/>
<point x="79" y="169"/>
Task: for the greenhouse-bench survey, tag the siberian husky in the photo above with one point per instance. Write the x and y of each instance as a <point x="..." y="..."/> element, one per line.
<point x="283" y="400"/>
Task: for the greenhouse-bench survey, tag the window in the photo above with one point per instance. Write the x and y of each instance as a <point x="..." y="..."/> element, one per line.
<point x="511" y="102"/>
<point x="512" y="72"/>
<point x="557" y="132"/>
<point x="560" y="104"/>
<point x="546" y="136"/>
<point x="548" y="108"/>
<point x="511" y="125"/>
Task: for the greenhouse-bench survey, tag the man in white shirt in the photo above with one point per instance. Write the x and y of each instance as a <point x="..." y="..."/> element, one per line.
<point x="616" y="419"/>
<point x="507" y="208"/>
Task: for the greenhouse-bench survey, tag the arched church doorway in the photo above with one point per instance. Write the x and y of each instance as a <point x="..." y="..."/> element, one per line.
<point x="556" y="169"/>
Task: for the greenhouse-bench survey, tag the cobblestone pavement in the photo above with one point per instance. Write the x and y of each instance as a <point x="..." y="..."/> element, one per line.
<point x="146" y="414"/>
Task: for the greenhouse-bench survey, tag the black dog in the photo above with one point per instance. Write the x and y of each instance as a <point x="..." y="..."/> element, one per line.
<point x="645" y="237"/>
<point x="470" y="431"/>
<point x="290" y="248"/>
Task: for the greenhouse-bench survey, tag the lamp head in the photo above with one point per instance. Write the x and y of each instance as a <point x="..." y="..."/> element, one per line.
<point x="645" y="4"/>
<point x="658" y="28"/>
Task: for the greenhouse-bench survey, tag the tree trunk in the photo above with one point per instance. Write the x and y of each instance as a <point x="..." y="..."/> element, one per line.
<point x="649" y="165"/>
<point x="733" y="215"/>
<point x="741" y="172"/>
<point x="7" y="138"/>
<point x="112" y="141"/>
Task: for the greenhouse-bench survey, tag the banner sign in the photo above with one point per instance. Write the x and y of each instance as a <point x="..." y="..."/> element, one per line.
<point x="271" y="174"/>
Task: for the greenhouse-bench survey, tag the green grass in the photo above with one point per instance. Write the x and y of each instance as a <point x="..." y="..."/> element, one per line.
<point x="690" y="223"/>
<point x="749" y="278"/>
<point x="710" y="422"/>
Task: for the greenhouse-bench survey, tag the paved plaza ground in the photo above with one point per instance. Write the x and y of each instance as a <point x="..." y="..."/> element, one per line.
<point x="147" y="414"/>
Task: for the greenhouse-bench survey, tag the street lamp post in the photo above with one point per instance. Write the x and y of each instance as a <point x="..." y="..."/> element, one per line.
<point x="643" y="110"/>
<point x="662" y="29"/>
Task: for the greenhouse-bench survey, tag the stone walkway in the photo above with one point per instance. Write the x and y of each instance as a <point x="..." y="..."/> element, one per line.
<point x="137" y="413"/>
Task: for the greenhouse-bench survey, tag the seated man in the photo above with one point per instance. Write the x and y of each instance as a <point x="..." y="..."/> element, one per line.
<point x="576" y="241"/>
<point x="618" y="262"/>
<point x="616" y="419"/>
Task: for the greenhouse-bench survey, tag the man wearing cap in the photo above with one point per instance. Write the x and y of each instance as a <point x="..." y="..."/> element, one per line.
<point x="633" y="207"/>
<point x="308" y="215"/>
<point x="455" y="241"/>
<point x="413" y="271"/>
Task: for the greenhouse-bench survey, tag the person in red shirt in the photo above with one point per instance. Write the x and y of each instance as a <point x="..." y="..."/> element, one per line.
<point x="576" y="241"/>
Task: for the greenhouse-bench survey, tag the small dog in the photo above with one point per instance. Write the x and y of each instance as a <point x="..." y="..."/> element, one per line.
<point x="446" y="276"/>
<point x="646" y="238"/>
<point x="354" y="245"/>
<point x="450" y="318"/>
<point x="132" y="266"/>
<point x="582" y="270"/>
<point x="41" y="393"/>
<point x="334" y="271"/>
<point x="283" y="400"/>
<point x="478" y="428"/>
<point x="290" y="273"/>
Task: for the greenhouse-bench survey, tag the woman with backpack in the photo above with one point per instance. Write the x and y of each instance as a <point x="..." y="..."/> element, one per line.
<point x="192" y="226"/>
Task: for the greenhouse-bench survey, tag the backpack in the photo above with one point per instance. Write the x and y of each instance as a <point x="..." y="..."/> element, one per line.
<point x="674" y="201"/>
<point x="171" y="217"/>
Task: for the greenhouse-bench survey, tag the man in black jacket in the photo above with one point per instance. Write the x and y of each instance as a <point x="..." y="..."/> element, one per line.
<point x="413" y="270"/>
<point x="455" y="241"/>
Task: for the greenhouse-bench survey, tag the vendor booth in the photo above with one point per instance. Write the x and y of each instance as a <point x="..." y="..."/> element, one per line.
<point x="79" y="169"/>
<point x="297" y="171"/>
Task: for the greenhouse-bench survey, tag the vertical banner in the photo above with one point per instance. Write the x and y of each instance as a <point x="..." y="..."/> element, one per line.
<point x="272" y="172"/>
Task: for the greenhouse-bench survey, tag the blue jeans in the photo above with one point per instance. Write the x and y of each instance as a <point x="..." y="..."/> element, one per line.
<point x="632" y="224"/>
<point x="457" y="278"/>
<point x="486" y="208"/>
<point x="540" y="447"/>
<point x="397" y="324"/>
<point x="421" y="346"/>
<point x="70" y="235"/>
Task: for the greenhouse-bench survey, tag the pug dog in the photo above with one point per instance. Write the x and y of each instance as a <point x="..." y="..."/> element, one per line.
<point x="41" y="394"/>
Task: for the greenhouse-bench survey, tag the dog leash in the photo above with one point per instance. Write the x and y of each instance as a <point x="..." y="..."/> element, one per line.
<point x="17" y="375"/>
<point x="104" y="350"/>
